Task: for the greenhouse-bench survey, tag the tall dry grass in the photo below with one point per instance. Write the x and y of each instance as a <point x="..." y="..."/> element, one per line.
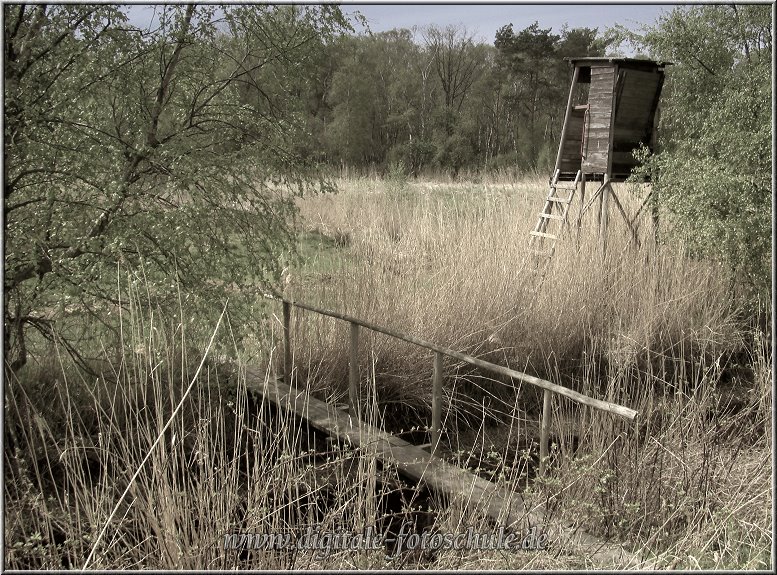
<point x="687" y="486"/>
<point x="226" y="463"/>
<point x="451" y="263"/>
<point x="647" y="326"/>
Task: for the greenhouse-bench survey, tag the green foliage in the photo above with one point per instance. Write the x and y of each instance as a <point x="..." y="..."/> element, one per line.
<point x="396" y="180"/>
<point x="165" y="153"/>
<point x="415" y="154"/>
<point x="537" y="82"/>
<point x="713" y="174"/>
<point x="454" y="153"/>
<point x="446" y="102"/>
<point x="372" y="103"/>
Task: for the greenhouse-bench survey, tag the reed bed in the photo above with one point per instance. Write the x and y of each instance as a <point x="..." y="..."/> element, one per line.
<point x="686" y="486"/>
<point x="646" y="326"/>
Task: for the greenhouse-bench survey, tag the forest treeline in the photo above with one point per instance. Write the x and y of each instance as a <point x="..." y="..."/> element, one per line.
<point x="120" y="141"/>
<point x="435" y="99"/>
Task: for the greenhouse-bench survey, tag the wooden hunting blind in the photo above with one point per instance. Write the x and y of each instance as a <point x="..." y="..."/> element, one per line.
<point x="611" y="111"/>
<point x="599" y="136"/>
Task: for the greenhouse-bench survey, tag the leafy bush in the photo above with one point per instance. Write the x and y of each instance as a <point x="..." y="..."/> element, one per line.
<point x="712" y="176"/>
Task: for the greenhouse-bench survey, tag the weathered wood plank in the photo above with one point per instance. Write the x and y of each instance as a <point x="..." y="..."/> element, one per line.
<point x="569" y="167"/>
<point x="600" y="125"/>
<point x="502" y="506"/>
<point x="602" y="71"/>
<point x="595" y="165"/>
<point x="544" y="430"/>
<point x="597" y="156"/>
<point x="479" y="495"/>
<point x="566" y="188"/>
<point x="567" y="119"/>
<point x="637" y="97"/>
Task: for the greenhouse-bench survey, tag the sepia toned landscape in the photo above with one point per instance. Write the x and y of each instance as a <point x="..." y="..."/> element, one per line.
<point x="281" y="295"/>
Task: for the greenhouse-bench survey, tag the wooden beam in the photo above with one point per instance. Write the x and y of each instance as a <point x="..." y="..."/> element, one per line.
<point x="544" y="431"/>
<point x="602" y="405"/>
<point x="567" y="116"/>
<point x="353" y="371"/>
<point x="603" y="213"/>
<point x="501" y="506"/>
<point x="625" y="217"/>
<point x="437" y="401"/>
<point x="617" y="84"/>
<point x="287" y="364"/>
<point x="582" y="203"/>
<point x="634" y="222"/>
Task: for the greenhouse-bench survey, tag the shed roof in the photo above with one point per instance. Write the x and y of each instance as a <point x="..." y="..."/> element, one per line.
<point x="616" y="60"/>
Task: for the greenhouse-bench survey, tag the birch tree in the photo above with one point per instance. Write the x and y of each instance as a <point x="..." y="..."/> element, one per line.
<point x="139" y="151"/>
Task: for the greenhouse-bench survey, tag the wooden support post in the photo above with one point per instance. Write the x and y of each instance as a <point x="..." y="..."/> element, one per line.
<point x="287" y="365"/>
<point x="353" y="372"/>
<point x="604" y="201"/>
<point x="582" y="202"/>
<point x="618" y="205"/>
<point x="654" y="214"/>
<point x="436" y="401"/>
<point x="599" y="210"/>
<point x="635" y="220"/>
<point x="544" y="430"/>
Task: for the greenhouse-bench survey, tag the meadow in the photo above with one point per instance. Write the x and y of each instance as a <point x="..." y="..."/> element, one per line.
<point x="647" y="326"/>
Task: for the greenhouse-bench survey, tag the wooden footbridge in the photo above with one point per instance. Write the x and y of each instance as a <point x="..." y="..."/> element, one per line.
<point x="503" y="507"/>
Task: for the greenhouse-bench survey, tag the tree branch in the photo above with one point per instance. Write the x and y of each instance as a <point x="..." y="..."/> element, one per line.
<point x="151" y="134"/>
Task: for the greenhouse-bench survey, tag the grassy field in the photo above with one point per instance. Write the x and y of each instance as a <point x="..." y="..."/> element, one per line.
<point x="647" y="327"/>
<point x="687" y="486"/>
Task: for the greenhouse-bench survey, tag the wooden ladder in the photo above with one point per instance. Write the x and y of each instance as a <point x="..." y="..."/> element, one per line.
<point x="540" y="233"/>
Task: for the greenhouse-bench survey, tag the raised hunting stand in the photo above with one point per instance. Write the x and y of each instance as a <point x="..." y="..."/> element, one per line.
<point x="619" y="112"/>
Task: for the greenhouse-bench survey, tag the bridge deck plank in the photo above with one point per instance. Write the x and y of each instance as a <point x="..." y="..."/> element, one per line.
<point x="502" y="506"/>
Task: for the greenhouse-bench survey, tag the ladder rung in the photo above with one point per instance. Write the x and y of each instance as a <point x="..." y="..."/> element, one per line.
<point x="560" y="200"/>
<point x="570" y="188"/>
<point x="543" y="235"/>
<point x="552" y="217"/>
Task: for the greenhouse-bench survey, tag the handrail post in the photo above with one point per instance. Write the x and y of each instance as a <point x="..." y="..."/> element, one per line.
<point x="287" y="367"/>
<point x="544" y="430"/>
<point x="436" y="401"/>
<point x="353" y="371"/>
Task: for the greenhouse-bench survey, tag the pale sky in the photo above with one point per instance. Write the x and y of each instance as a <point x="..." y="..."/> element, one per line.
<point x="483" y="19"/>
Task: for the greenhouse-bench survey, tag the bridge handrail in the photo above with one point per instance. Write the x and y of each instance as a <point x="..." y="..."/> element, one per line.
<point x="610" y="407"/>
<point x="548" y="386"/>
